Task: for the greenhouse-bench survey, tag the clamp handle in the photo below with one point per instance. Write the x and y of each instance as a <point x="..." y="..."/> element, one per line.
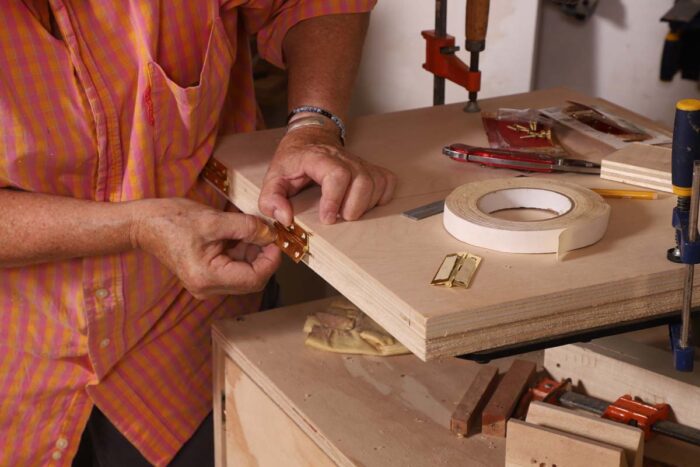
<point x="686" y="145"/>
<point x="477" y="21"/>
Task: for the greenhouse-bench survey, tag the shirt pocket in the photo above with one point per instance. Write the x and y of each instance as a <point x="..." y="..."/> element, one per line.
<point x="185" y="119"/>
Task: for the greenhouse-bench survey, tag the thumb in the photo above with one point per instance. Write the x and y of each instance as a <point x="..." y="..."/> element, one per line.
<point x="274" y="200"/>
<point x="244" y="227"/>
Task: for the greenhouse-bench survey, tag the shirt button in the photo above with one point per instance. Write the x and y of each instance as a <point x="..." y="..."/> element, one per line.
<point x="62" y="443"/>
<point x="102" y="293"/>
<point x="104" y="343"/>
<point x="56" y="455"/>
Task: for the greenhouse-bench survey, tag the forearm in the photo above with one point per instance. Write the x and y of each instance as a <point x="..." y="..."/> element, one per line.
<point x="38" y="228"/>
<point x="322" y="56"/>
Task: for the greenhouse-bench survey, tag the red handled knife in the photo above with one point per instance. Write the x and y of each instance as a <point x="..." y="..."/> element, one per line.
<point x="518" y="160"/>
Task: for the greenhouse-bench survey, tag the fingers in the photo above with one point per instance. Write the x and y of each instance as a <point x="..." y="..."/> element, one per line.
<point x="359" y="195"/>
<point x="334" y="176"/>
<point x="390" y="187"/>
<point x="243" y="252"/>
<point x="349" y="185"/>
<point x="371" y="186"/>
<point x="238" y="277"/>
<point x="274" y="200"/>
<point x="234" y="226"/>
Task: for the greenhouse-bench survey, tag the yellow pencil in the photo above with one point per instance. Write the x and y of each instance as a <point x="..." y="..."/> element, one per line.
<point x="629" y="194"/>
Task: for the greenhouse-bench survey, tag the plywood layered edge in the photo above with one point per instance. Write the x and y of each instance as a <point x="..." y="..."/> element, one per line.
<point x="568" y="323"/>
<point x="640" y="164"/>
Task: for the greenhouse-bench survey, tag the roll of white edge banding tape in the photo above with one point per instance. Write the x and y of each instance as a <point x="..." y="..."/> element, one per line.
<point x="581" y="216"/>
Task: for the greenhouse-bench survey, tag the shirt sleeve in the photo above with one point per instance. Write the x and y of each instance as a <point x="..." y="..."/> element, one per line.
<point x="271" y="19"/>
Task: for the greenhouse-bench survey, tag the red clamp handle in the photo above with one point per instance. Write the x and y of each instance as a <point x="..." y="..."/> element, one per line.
<point x="631" y="412"/>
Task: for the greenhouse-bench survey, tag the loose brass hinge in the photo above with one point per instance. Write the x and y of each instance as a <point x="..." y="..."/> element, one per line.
<point x="456" y="270"/>
<point x="216" y="173"/>
<point x="292" y="240"/>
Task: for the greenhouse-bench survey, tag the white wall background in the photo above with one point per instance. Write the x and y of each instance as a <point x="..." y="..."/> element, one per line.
<point x="392" y="78"/>
<point x="616" y="55"/>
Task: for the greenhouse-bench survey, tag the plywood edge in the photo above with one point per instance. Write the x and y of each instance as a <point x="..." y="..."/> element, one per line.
<point x="629" y="438"/>
<point x="641" y="172"/>
<point x="278" y="397"/>
<point x="657" y="290"/>
<point x="573" y="299"/>
<point x="528" y="444"/>
<point x="642" y="182"/>
<point x="567" y="322"/>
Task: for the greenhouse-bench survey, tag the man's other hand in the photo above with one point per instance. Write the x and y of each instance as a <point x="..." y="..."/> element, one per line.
<point x="212" y="252"/>
<point x="350" y="186"/>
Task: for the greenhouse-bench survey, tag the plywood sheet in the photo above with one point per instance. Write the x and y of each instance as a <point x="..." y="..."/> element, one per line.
<point x="384" y="262"/>
<point x="360" y="410"/>
<point x="640" y="165"/>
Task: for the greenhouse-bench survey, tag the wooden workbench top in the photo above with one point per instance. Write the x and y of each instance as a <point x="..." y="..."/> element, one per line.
<point x="373" y="411"/>
<point x="384" y="262"/>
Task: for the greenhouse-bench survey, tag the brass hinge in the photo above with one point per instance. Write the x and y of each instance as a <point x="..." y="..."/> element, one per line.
<point x="216" y="173"/>
<point x="292" y="240"/>
<point x="457" y="270"/>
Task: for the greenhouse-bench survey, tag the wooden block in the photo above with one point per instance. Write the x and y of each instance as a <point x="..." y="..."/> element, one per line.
<point x="473" y="401"/>
<point x="641" y="165"/>
<point x="506" y="397"/>
<point x="530" y="445"/>
<point x="629" y="438"/>
<point x="669" y="451"/>
<point x="610" y="367"/>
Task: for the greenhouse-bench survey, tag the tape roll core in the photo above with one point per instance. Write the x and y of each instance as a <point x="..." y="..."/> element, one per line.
<point x="581" y="215"/>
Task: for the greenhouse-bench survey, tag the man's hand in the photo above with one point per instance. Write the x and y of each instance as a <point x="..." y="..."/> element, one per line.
<point x="212" y="252"/>
<point x="350" y="186"/>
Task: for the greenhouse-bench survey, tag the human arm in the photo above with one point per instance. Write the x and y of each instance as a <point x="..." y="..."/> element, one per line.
<point x="322" y="56"/>
<point x="191" y="239"/>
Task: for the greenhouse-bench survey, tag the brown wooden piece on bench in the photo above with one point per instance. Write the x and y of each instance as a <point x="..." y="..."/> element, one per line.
<point x="506" y="397"/>
<point x="466" y="413"/>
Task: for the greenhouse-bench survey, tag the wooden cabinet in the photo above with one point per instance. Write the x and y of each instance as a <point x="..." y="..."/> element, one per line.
<point x="279" y="403"/>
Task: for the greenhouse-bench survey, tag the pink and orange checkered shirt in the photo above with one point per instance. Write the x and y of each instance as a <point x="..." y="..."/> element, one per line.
<point x="125" y="105"/>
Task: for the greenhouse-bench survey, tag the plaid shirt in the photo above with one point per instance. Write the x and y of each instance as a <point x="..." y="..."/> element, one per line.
<point x="125" y="105"/>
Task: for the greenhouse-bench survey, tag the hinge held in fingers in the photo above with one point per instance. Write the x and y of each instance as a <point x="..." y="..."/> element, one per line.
<point x="292" y="240"/>
<point x="216" y="173"/>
